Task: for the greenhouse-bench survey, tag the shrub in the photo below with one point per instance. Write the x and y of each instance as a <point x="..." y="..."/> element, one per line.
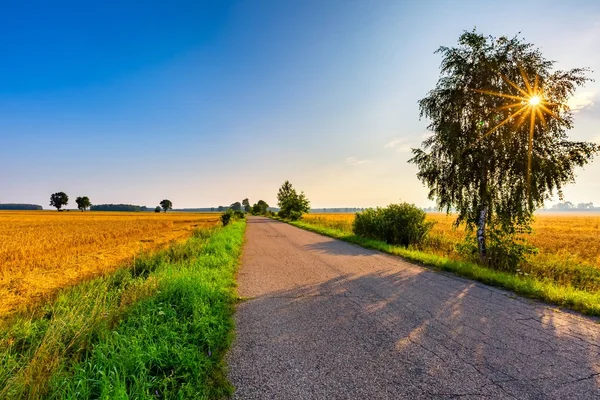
<point x="294" y="215"/>
<point x="226" y="217"/>
<point x="230" y="215"/>
<point x="506" y="251"/>
<point x="402" y="224"/>
<point x="239" y="214"/>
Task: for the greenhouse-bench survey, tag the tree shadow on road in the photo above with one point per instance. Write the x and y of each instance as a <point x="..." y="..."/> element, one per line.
<point x="336" y="247"/>
<point x="392" y="334"/>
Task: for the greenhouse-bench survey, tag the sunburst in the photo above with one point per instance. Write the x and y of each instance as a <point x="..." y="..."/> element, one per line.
<point x="531" y="103"/>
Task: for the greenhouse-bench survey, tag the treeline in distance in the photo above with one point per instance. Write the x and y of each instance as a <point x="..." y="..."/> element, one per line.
<point x="118" y="207"/>
<point x="17" y="206"/>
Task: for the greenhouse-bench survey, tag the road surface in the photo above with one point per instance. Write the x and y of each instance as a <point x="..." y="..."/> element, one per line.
<point x="325" y="319"/>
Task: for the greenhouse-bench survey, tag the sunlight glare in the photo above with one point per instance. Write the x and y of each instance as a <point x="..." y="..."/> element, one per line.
<point x="530" y="103"/>
<point x="535" y="100"/>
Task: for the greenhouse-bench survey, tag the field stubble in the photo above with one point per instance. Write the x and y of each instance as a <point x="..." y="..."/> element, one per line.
<point x="42" y="251"/>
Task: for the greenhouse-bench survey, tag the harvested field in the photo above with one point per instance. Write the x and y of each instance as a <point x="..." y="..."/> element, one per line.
<point x="572" y="236"/>
<point x="43" y="251"/>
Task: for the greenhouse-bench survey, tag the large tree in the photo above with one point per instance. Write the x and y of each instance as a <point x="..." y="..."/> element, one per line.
<point x="59" y="200"/>
<point x="237" y="206"/>
<point x="292" y="205"/>
<point x="83" y="203"/>
<point x="499" y="146"/>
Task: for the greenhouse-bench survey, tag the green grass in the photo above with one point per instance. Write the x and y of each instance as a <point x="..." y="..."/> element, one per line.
<point x="532" y="287"/>
<point x="157" y="329"/>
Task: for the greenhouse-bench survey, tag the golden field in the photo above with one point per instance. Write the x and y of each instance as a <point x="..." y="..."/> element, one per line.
<point x="575" y="237"/>
<point x="43" y="251"/>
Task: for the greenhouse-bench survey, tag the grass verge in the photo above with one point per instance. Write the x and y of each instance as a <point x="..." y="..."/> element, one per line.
<point x="565" y="296"/>
<point x="157" y="329"/>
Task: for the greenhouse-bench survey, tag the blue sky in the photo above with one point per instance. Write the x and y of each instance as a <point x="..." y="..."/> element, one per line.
<point x="208" y="103"/>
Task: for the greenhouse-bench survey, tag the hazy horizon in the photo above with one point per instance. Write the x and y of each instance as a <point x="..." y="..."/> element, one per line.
<point x="210" y="103"/>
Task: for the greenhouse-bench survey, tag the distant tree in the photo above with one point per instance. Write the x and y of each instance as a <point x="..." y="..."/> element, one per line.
<point x="237" y="206"/>
<point x="585" y="206"/>
<point x="221" y="209"/>
<point x="212" y="209"/>
<point x="166" y="205"/>
<point x="499" y="146"/>
<point x="260" y="208"/>
<point x="157" y="209"/>
<point x="83" y="203"/>
<point x="263" y="206"/>
<point x="58" y="200"/>
<point x="565" y="205"/>
<point x="246" y="204"/>
<point x="285" y="192"/>
<point x="292" y="205"/>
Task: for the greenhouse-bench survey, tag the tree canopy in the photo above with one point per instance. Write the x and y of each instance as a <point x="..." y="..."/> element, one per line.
<point x="83" y="203"/>
<point x="166" y="205"/>
<point x="237" y="206"/>
<point x="292" y="205"/>
<point x="499" y="120"/>
<point x="246" y="204"/>
<point x="58" y="200"/>
<point x="260" y="208"/>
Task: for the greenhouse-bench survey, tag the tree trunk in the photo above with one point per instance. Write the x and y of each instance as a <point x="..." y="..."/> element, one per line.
<point x="481" y="233"/>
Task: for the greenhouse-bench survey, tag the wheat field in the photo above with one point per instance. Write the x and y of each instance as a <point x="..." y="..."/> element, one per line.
<point x="43" y="251"/>
<point x="575" y="237"/>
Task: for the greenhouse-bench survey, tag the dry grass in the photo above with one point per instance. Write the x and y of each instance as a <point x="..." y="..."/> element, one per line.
<point x="43" y="251"/>
<point x="567" y="236"/>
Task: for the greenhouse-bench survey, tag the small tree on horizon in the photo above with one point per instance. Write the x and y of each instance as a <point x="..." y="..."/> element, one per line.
<point x="166" y="205"/>
<point x="58" y="200"/>
<point x="260" y="208"/>
<point x="157" y="209"/>
<point x="246" y="204"/>
<point x="237" y="206"/>
<point x="83" y="203"/>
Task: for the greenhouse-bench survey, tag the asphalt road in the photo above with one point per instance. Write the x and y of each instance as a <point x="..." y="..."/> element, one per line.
<point x="329" y="320"/>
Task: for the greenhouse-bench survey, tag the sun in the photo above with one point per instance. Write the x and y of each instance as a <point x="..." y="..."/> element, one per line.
<point x="535" y="100"/>
<point x="531" y="103"/>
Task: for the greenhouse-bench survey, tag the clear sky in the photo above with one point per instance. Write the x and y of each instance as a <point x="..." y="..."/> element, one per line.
<point x="208" y="103"/>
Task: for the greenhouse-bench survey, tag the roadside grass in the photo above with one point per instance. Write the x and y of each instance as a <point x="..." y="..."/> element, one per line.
<point x="156" y="329"/>
<point x="568" y="250"/>
<point x="586" y="302"/>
